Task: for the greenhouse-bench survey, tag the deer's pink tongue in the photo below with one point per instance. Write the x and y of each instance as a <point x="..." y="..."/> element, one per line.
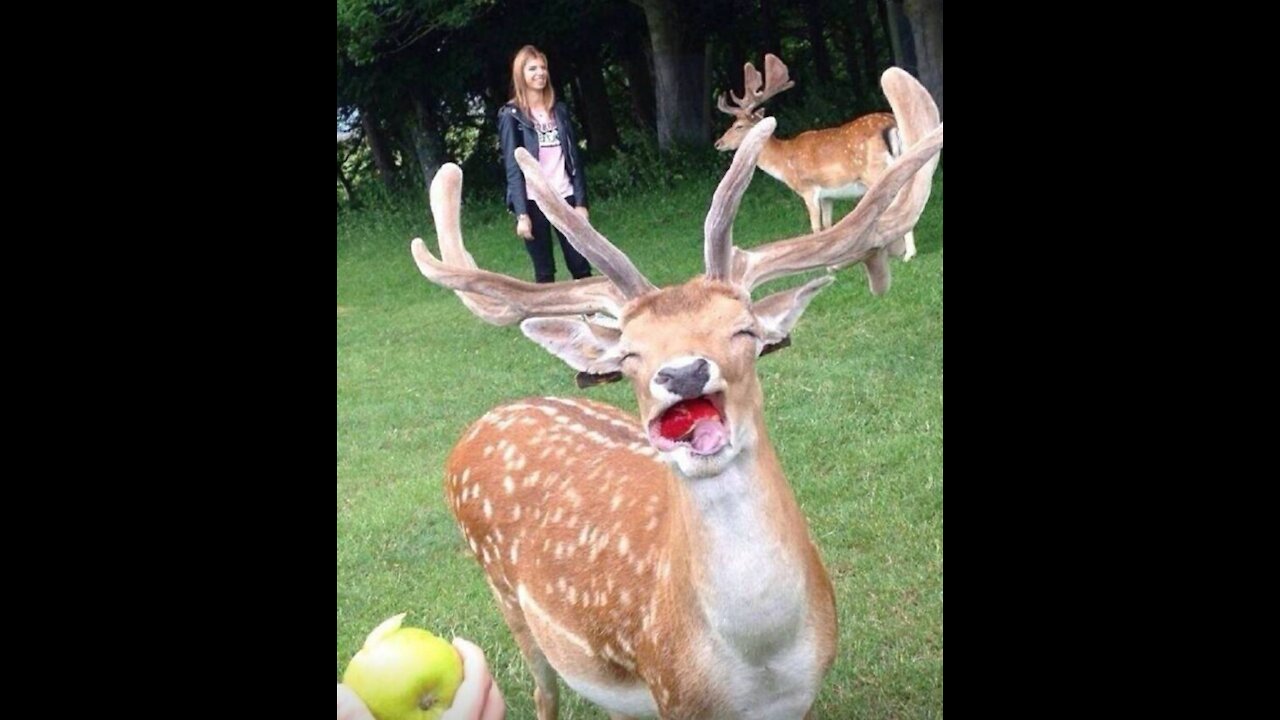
<point x="708" y="436"/>
<point x="694" y="421"/>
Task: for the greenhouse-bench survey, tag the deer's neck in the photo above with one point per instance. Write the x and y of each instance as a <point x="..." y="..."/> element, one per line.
<point x="773" y="160"/>
<point x="740" y="553"/>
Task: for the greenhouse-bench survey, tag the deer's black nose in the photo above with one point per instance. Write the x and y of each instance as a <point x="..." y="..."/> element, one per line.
<point x="686" y="381"/>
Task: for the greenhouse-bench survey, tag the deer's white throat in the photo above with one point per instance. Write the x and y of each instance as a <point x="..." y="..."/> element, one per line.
<point x="759" y="599"/>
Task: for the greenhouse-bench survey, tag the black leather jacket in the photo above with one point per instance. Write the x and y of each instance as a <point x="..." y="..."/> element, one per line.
<point x="513" y="124"/>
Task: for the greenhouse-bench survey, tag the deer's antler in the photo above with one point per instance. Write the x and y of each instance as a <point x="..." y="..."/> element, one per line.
<point x="718" y="227"/>
<point x="775" y="81"/>
<point x="493" y="297"/>
<point x="611" y="261"/>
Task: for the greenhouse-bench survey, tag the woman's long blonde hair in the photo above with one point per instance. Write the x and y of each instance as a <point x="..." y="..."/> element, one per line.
<point x="520" y="91"/>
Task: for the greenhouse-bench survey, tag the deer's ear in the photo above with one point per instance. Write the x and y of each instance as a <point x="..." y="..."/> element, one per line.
<point x="589" y="348"/>
<point x="780" y="312"/>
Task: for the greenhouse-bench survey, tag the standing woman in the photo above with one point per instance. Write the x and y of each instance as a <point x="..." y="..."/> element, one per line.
<point x="533" y="119"/>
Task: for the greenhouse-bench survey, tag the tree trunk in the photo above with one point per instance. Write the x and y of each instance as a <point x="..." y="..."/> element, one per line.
<point x="737" y="55"/>
<point x="849" y="44"/>
<point x="899" y="31"/>
<point x="428" y="142"/>
<point x="770" y="42"/>
<point x="379" y="147"/>
<point x="497" y="90"/>
<point x="818" y="43"/>
<point x="635" y="61"/>
<point x="561" y="76"/>
<point x="925" y="17"/>
<point x="496" y="94"/>
<point x="679" y="62"/>
<point x="866" y="38"/>
<point x="596" y="114"/>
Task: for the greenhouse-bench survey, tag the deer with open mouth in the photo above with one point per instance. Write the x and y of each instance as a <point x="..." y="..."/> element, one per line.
<point x="660" y="564"/>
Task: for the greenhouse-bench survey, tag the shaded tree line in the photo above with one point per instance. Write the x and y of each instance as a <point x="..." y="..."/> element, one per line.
<point x="419" y="82"/>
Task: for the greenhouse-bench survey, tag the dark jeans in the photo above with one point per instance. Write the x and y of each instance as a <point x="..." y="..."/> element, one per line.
<point x="544" y="261"/>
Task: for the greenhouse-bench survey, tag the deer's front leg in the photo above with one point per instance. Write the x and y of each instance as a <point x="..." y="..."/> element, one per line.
<point x="815" y="208"/>
<point x="827" y="205"/>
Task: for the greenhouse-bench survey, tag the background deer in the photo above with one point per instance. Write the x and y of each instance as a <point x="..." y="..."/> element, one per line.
<point x="660" y="565"/>
<point x="818" y="165"/>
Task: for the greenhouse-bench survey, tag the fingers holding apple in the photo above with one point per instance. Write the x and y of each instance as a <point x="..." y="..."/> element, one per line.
<point x="478" y="698"/>
<point x="350" y="706"/>
<point x="404" y="673"/>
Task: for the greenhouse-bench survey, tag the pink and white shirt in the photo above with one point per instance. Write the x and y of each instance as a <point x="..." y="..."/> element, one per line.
<point x="550" y="154"/>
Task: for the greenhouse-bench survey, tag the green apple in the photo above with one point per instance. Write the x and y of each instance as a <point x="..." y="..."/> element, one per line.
<point x="404" y="673"/>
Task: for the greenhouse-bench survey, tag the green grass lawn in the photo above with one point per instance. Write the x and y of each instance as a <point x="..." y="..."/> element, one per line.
<point x="854" y="409"/>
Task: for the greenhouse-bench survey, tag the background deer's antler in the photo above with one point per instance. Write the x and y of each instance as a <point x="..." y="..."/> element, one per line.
<point x="775" y="81"/>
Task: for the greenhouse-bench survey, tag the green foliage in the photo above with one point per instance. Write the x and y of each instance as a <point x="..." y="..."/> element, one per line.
<point x="369" y="29"/>
<point x="484" y="171"/>
<point x="639" y="165"/>
<point x="815" y="111"/>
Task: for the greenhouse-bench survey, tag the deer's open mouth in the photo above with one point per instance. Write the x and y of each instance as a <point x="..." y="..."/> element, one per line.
<point x="698" y="423"/>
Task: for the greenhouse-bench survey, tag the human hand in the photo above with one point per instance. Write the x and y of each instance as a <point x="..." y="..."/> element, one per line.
<point x="477" y="698"/>
<point x="583" y="212"/>
<point x="350" y="706"/>
<point x="524" y="228"/>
